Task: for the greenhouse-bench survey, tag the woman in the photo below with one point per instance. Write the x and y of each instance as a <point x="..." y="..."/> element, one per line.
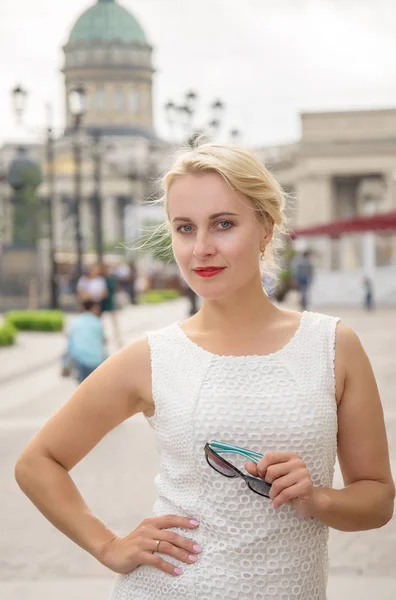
<point x="92" y="286"/>
<point x="295" y="388"/>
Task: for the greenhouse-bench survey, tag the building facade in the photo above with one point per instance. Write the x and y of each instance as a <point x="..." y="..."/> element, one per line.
<point x="108" y="54"/>
<point x="343" y="167"/>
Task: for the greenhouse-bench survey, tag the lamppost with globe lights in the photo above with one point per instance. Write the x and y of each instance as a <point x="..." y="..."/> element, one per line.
<point x="20" y="96"/>
<point x="77" y="107"/>
<point x="182" y="115"/>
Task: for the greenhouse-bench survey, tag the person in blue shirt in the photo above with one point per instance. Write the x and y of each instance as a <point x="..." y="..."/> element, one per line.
<point x="86" y="340"/>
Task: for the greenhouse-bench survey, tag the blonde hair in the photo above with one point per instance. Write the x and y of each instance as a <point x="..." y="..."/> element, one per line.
<point x="243" y="172"/>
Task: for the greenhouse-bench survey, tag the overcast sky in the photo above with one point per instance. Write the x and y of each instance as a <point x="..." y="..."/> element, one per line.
<point x="268" y="60"/>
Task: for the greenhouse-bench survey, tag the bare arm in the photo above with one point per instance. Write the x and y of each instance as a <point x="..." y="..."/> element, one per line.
<point x="116" y="390"/>
<point x="366" y="502"/>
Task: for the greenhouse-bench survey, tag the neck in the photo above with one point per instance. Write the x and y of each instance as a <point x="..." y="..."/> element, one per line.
<point x="240" y="311"/>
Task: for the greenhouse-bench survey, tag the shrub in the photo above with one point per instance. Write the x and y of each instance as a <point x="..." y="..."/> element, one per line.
<point x="169" y="294"/>
<point x="151" y="297"/>
<point x="36" y="320"/>
<point x="8" y="334"/>
<point x="156" y="296"/>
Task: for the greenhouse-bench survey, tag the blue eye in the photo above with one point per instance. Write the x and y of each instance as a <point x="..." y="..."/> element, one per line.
<point x="228" y="224"/>
<point x="182" y="228"/>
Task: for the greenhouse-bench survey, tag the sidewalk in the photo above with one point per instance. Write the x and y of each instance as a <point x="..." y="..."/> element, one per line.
<point x="362" y="564"/>
<point x="34" y="350"/>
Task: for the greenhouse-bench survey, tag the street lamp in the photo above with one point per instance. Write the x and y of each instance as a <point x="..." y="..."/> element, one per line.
<point x="235" y="135"/>
<point x="183" y="115"/>
<point x="97" y="195"/>
<point x="77" y="107"/>
<point x="19" y="96"/>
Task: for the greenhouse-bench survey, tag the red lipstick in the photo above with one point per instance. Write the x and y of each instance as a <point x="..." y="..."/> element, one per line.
<point x="208" y="271"/>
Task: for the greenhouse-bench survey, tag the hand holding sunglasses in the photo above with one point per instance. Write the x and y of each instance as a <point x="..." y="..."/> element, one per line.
<point x="290" y="479"/>
<point x="214" y="459"/>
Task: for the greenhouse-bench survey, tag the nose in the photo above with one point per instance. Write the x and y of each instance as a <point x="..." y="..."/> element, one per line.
<point x="203" y="247"/>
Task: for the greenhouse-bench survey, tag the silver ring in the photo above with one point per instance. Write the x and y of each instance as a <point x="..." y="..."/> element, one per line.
<point x="157" y="544"/>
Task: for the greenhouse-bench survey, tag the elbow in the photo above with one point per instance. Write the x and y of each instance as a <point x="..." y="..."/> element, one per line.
<point x="388" y="505"/>
<point x="22" y="471"/>
<point x="26" y="469"/>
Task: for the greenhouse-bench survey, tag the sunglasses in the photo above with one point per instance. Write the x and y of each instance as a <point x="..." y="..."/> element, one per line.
<point x="222" y="466"/>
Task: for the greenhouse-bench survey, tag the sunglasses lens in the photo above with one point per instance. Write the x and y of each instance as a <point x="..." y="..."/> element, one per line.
<point x="260" y="487"/>
<point x="220" y="466"/>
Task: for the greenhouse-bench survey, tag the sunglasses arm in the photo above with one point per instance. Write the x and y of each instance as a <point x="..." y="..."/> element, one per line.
<point x="249" y="454"/>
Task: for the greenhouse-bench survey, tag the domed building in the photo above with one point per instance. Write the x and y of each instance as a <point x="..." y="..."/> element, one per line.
<point x="108" y="52"/>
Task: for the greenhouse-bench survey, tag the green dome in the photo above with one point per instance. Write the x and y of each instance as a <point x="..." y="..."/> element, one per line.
<point x="107" y="21"/>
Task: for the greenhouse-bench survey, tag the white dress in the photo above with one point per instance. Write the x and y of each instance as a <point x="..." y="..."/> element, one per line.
<point x="283" y="401"/>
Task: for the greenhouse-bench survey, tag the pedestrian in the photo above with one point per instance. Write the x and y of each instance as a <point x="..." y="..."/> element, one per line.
<point x="92" y="285"/>
<point x="241" y="379"/>
<point x="303" y="274"/>
<point x="108" y="304"/>
<point x="86" y="341"/>
<point x="368" y="294"/>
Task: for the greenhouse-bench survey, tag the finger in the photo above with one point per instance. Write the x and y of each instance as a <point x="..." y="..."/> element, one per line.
<point x="282" y="483"/>
<point x="279" y="470"/>
<point x="273" y="458"/>
<point x="178" y="541"/>
<point x="251" y="468"/>
<point x="290" y="493"/>
<point x="178" y="553"/>
<point x="159" y="563"/>
<point x="168" y="521"/>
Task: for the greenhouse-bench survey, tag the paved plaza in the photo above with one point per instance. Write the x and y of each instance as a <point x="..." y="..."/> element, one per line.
<point x="116" y="479"/>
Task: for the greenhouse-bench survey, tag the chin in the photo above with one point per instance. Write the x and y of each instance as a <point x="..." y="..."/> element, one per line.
<point x="212" y="292"/>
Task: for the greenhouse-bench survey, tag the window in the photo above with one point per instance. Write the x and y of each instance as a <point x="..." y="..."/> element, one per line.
<point x="100" y="99"/>
<point x="119" y="99"/>
<point x="134" y="101"/>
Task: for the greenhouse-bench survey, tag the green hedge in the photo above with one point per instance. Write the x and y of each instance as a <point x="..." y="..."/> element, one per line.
<point x="36" y="320"/>
<point x="169" y="294"/>
<point x="157" y="296"/>
<point x="8" y="334"/>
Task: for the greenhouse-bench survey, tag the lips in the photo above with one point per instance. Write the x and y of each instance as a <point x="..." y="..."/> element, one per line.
<point x="208" y="271"/>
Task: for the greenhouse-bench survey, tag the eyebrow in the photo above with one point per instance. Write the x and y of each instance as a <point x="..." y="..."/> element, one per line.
<point x="211" y="217"/>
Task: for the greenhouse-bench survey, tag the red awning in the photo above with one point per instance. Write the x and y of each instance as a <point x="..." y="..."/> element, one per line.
<point x="378" y="222"/>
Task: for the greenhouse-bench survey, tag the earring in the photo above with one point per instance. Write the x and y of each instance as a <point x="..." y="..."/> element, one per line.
<point x="262" y="254"/>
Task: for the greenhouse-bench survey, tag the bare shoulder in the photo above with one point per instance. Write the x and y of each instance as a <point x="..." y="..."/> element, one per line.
<point x="348" y="344"/>
<point x="132" y="365"/>
<point x="350" y="357"/>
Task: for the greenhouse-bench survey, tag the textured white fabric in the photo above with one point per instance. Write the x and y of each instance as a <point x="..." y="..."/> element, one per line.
<point x="284" y="401"/>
